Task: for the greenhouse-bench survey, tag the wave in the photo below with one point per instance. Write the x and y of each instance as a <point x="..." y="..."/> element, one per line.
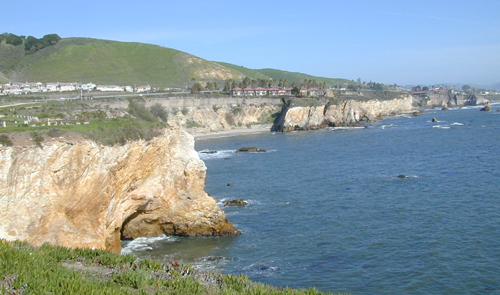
<point x="144" y="243"/>
<point x="388" y="126"/>
<point x="458" y="124"/>
<point x="209" y="154"/>
<point x="344" y="128"/>
<point x="441" y="126"/>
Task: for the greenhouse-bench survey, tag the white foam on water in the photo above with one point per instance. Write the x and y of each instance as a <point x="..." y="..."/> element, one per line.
<point x="144" y="243"/>
<point x="210" y="263"/>
<point x="344" y="128"/>
<point x="458" y="124"/>
<point x="441" y="126"/>
<point x="388" y="126"/>
<point x="208" y="154"/>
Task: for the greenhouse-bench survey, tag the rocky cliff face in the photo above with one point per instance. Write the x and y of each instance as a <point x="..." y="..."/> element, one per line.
<point x="88" y="195"/>
<point x="347" y="113"/>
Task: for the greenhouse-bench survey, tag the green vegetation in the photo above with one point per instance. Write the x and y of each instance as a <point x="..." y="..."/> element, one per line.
<point x="140" y="123"/>
<point x="37" y="138"/>
<point x="290" y="77"/>
<point x="25" y="269"/>
<point x="104" y="62"/>
<point x="5" y="140"/>
<point x="31" y="44"/>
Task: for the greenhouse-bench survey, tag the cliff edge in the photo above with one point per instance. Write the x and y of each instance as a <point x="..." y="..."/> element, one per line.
<point x="89" y="195"/>
<point x="347" y="113"/>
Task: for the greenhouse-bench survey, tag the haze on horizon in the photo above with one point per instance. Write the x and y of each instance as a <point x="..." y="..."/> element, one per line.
<point x="403" y="42"/>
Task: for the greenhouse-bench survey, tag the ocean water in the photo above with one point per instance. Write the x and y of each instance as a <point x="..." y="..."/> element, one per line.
<point x="328" y="210"/>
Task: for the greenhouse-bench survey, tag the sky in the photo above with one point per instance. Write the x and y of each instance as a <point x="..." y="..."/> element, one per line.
<point x="394" y="42"/>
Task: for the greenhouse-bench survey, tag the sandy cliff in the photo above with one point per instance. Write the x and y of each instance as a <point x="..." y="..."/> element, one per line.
<point x="347" y="113"/>
<point x="88" y="195"/>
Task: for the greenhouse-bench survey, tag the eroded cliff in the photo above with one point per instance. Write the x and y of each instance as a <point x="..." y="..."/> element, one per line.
<point x="89" y="195"/>
<point x="346" y="113"/>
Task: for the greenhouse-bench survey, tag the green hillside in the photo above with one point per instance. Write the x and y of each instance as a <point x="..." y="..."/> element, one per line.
<point x="125" y="63"/>
<point x="279" y="74"/>
<point x="300" y="77"/>
<point x="253" y="74"/>
<point x="108" y="62"/>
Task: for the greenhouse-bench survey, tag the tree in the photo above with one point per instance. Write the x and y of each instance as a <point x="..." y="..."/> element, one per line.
<point x="246" y="82"/>
<point x="196" y="88"/>
<point x="466" y="88"/>
<point x="227" y="85"/>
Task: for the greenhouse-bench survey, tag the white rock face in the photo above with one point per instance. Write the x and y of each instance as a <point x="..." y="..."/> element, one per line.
<point x="86" y="194"/>
<point x="347" y="113"/>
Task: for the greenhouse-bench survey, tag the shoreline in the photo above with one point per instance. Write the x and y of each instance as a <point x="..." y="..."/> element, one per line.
<point x="255" y="129"/>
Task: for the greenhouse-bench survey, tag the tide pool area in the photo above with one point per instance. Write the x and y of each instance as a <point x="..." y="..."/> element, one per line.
<point x="327" y="209"/>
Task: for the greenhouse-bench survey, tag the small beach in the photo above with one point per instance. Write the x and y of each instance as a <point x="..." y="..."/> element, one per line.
<point x="233" y="132"/>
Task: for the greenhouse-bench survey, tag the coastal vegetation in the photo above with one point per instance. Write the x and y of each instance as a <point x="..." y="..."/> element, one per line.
<point x="108" y="128"/>
<point x="25" y="269"/>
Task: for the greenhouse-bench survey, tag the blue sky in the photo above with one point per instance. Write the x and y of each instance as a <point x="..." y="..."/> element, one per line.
<point x="402" y="42"/>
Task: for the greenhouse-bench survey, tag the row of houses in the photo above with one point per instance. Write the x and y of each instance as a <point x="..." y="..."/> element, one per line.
<point x="39" y="87"/>
<point x="261" y="91"/>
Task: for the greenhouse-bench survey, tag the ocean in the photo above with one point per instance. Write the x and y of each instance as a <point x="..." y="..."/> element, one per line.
<point x="403" y="206"/>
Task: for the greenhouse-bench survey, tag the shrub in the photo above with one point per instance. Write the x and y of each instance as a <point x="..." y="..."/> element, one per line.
<point x="159" y="111"/>
<point x="140" y="111"/>
<point x="54" y="132"/>
<point x="191" y="124"/>
<point x="37" y="138"/>
<point x="5" y="140"/>
<point x="230" y="119"/>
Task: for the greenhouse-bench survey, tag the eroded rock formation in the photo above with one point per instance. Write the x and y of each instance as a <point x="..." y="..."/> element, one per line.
<point x="88" y="195"/>
<point x="348" y="113"/>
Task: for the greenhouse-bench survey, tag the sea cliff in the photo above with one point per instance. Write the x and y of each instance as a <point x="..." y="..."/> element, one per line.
<point x="346" y="113"/>
<point x="89" y="195"/>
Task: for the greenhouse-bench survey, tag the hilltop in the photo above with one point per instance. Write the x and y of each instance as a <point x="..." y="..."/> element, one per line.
<point x="108" y="62"/>
<point x="123" y="63"/>
<point x="275" y="74"/>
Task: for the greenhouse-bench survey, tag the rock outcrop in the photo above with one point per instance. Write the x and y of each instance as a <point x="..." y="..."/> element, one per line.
<point x="347" y="113"/>
<point x="250" y="150"/>
<point x="235" y="203"/>
<point x="88" y="195"/>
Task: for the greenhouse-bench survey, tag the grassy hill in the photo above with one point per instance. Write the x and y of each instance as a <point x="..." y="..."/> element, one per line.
<point x="108" y="62"/>
<point x="279" y="74"/>
<point x="126" y="63"/>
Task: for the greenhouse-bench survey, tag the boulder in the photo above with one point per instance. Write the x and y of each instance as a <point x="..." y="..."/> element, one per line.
<point x="486" y="108"/>
<point x="434" y="120"/>
<point x="250" y="150"/>
<point x="236" y="202"/>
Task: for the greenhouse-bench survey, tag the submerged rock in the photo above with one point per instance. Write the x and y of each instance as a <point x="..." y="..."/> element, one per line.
<point x="236" y="202"/>
<point x="209" y="152"/>
<point x="402" y="176"/>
